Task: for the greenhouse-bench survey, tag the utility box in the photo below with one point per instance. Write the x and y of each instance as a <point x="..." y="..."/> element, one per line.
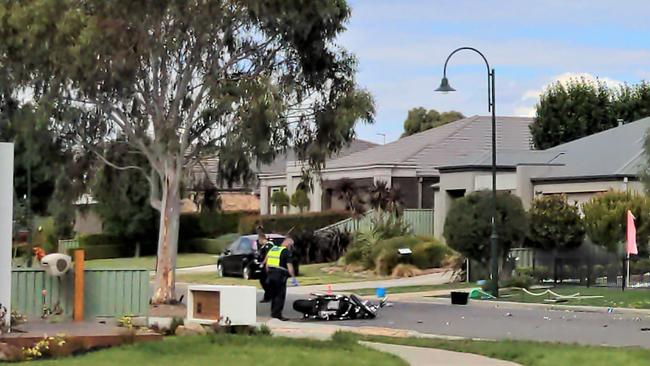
<point x="227" y="305"/>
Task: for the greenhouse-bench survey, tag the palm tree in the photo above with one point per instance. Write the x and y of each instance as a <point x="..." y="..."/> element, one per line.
<point x="379" y="193"/>
<point x="395" y="201"/>
<point x="349" y="193"/>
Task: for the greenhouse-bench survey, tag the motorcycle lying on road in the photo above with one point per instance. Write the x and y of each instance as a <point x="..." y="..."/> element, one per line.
<point x="337" y="307"/>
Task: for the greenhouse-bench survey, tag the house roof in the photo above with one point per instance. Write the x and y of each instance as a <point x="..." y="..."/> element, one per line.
<point x="444" y="145"/>
<point x="506" y="158"/>
<point x="615" y="152"/>
<point x="279" y="165"/>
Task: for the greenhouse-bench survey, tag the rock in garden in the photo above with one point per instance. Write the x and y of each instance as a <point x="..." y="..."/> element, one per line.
<point x="10" y="353"/>
<point x="190" y="329"/>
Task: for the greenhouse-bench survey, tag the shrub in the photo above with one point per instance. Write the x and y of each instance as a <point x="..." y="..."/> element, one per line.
<point x="395" y="243"/>
<point x="430" y="254"/>
<point x="640" y="266"/>
<point x="327" y="246"/>
<point x="86" y="241"/>
<point x="605" y="219"/>
<point x="361" y="249"/>
<point x="519" y="280"/>
<point x="354" y="255"/>
<point x="554" y="224"/>
<point x="210" y="224"/>
<point x="385" y="253"/>
<point x="281" y="224"/>
<point x="300" y="200"/>
<point x="280" y="199"/>
<point x="102" y="246"/>
<point x="106" y="252"/>
<point x="468" y="224"/>
<point x="46" y="237"/>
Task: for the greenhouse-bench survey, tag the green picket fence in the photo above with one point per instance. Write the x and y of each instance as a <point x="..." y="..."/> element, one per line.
<point x="420" y="221"/>
<point x="108" y="292"/>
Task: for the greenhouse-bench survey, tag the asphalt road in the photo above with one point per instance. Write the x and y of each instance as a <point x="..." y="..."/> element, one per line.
<point x="489" y="321"/>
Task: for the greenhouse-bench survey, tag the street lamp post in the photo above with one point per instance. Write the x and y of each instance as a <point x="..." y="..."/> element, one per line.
<point x="494" y="238"/>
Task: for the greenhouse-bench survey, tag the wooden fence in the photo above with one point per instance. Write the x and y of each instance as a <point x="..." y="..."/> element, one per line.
<point x="108" y="292"/>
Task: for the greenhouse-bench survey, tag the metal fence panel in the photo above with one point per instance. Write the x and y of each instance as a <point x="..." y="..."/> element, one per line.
<point x="420" y="221"/>
<point x="108" y="292"/>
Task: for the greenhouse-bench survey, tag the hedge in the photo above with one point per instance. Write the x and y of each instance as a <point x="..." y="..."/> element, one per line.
<point x="281" y="224"/>
<point x="106" y="252"/>
<point x="210" y="224"/>
<point x="210" y="246"/>
<point x="104" y="246"/>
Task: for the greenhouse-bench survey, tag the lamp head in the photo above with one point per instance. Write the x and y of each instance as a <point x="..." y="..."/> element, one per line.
<point x="444" y="86"/>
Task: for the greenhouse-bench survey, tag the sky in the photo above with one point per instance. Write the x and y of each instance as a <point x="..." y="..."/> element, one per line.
<point x="401" y="46"/>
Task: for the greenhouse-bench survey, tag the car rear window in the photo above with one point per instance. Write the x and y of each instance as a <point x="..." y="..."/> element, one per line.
<point x="277" y="241"/>
<point x="246" y="245"/>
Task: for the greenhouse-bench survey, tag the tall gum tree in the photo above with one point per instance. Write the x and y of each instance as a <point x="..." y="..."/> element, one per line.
<point x="181" y="79"/>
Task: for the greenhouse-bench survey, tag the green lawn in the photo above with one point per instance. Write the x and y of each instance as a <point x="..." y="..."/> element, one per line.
<point x="183" y="260"/>
<point x="408" y="289"/>
<point x="310" y="274"/>
<point x="630" y="298"/>
<point x="532" y="353"/>
<point x="233" y="350"/>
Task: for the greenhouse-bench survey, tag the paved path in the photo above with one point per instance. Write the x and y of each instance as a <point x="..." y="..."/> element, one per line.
<point x="419" y="356"/>
<point x="199" y="269"/>
<point x="413" y="355"/>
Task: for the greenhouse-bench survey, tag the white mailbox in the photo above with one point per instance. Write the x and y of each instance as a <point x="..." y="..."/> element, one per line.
<point x="228" y="305"/>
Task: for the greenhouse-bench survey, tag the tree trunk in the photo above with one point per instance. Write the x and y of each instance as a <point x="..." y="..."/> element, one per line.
<point x="164" y="283"/>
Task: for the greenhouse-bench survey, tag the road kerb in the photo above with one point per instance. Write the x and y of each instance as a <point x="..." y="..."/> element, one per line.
<point x="428" y="298"/>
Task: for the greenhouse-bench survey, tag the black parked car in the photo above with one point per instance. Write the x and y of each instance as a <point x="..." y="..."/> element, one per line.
<point x="241" y="257"/>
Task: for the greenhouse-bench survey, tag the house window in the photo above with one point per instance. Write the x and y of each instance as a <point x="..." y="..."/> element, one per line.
<point x="273" y="209"/>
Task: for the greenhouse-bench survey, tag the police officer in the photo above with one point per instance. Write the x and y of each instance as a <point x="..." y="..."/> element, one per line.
<point x="279" y="268"/>
<point x="263" y="247"/>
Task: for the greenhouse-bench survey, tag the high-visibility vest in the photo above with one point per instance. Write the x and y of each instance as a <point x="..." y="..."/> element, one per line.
<point x="273" y="256"/>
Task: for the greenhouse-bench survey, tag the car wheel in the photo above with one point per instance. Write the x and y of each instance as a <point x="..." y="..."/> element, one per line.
<point x="246" y="273"/>
<point x="219" y="270"/>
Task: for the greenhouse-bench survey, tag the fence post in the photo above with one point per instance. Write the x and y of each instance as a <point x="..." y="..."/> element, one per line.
<point x="78" y="310"/>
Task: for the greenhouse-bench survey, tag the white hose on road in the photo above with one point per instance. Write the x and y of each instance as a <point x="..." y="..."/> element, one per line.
<point x="574" y="296"/>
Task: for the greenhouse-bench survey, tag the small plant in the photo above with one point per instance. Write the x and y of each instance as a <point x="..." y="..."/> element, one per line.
<point x="176" y="322"/>
<point x="46" y="347"/>
<point x="17" y="318"/>
<point x="126" y="322"/>
<point x="4" y="328"/>
<point x="264" y="330"/>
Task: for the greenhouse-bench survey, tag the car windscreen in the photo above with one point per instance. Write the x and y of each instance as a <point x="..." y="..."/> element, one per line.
<point x="233" y="247"/>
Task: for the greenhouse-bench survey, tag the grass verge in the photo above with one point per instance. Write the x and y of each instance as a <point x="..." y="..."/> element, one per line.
<point x="310" y="274"/>
<point x="409" y="289"/>
<point x="615" y="298"/>
<point x="531" y="353"/>
<point x="184" y="260"/>
<point x="233" y="350"/>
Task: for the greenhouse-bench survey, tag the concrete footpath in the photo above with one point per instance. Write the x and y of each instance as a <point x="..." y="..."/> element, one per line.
<point x="413" y="355"/>
<point x="420" y="356"/>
